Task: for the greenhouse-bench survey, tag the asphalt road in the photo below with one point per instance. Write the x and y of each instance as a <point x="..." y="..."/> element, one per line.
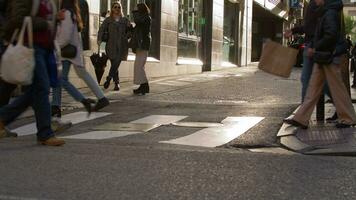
<point x="140" y="167"/>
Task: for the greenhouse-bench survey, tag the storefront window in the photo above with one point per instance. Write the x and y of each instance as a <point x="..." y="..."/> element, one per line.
<point x="230" y="40"/>
<point x="189" y="28"/>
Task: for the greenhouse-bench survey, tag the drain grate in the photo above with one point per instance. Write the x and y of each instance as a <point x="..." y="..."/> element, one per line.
<point x="324" y="136"/>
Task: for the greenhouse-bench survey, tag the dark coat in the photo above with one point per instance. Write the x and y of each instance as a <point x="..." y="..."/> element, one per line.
<point x="117" y="45"/>
<point x="310" y="21"/>
<point x="328" y="31"/>
<point x="16" y="12"/>
<point x="142" y="32"/>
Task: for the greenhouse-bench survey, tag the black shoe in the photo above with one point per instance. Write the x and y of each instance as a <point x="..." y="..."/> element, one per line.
<point x="56" y="111"/>
<point x="143" y="89"/>
<point x="342" y="125"/>
<point x="117" y="87"/>
<point x="103" y="102"/>
<point x="333" y="118"/>
<point x="87" y="105"/>
<point x="294" y="123"/>
<point x="107" y="83"/>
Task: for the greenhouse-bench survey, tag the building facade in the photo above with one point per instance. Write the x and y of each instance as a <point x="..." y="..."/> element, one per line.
<point x="192" y="36"/>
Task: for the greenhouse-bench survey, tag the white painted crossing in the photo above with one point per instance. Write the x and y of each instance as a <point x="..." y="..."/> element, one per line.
<point x="212" y="136"/>
<point x="141" y="124"/>
<point x="217" y="136"/>
<point x="100" y="135"/>
<point x="75" y="118"/>
<point x="160" y="119"/>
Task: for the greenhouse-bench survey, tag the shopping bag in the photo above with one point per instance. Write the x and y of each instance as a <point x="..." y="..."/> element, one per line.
<point x="277" y="59"/>
<point x="18" y="62"/>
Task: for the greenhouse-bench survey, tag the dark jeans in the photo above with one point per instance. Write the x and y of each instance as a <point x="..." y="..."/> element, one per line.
<point x="37" y="96"/>
<point x="6" y="90"/>
<point x="114" y="70"/>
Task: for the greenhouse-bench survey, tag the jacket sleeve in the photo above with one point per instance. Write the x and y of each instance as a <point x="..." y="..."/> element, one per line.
<point x="329" y="30"/>
<point x="102" y="28"/>
<point x="65" y="30"/>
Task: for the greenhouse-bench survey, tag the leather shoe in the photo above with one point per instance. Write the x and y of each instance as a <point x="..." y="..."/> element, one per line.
<point x="103" y="102"/>
<point x="52" y="141"/>
<point x="295" y="123"/>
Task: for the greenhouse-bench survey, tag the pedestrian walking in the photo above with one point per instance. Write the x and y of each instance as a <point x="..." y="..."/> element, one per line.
<point x="114" y="32"/>
<point x="141" y="42"/>
<point x="308" y="28"/>
<point x="68" y="35"/>
<point x="328" y="33"/>
<point x="37" y="94"/>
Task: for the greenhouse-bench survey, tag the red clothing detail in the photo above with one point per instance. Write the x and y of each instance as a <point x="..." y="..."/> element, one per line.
<point x="44" y="38"/>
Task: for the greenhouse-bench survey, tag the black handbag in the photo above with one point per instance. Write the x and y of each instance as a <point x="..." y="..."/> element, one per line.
<point x="323" y="57"/>
<point x="69" y="51"/>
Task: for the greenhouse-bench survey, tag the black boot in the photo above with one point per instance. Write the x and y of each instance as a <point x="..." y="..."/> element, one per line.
<point x="103" y="102"/>
<point x="117" y="86"/>
<point x="143" y="89"/>
<point x="107" y="82"/>
<point x="333" y="118"/>
<point x="87" y="105"/>
<point x="56" y="111"/>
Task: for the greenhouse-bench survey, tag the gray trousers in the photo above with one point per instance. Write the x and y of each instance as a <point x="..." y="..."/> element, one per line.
<point x="139" y="67"/>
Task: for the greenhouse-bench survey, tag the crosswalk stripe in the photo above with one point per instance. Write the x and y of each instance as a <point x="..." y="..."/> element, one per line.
<point x="159" y="119"/>
<point x="217" y="136"/>
<point x="100" y="135"/>
<point x="75" y="118"/>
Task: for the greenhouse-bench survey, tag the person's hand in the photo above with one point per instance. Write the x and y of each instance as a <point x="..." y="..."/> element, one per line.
<point x="310" y="52"/>
<point x="61" y="15"/>
<point x="288" y="33"/>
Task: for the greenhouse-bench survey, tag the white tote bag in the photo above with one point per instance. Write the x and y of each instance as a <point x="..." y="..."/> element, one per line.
<point x="18" y="62"/>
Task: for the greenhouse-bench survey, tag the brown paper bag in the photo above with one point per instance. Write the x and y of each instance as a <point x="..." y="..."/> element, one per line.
<point x="277" y="59"/>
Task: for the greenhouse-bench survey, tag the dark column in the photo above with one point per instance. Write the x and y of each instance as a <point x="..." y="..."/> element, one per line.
<point x="207" y="34"/>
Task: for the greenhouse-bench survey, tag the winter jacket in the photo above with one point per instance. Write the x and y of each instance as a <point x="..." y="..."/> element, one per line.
<point x="328" y="31"/>
<point x="117" y="45"/>
<point x="67" y="33"/>
<point x="16" y="12"/>
<point x="142" y="32"/>
<point x="310" y="22"/>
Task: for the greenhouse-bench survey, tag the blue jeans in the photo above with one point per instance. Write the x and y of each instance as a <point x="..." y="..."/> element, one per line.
<point x="71" y="89"/>
<point x="68" y="86"/>
<point x="37" y="96"/>
<point x="306" y="71"/>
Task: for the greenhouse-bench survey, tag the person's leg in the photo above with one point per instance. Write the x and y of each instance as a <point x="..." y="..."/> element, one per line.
<point x="306" y="72"/>
<point x="114" y="70"/>
<point x="341" y="98"/>
<point x="313" y="93"/>
<point x="40" y="96"/>
<point x="139" y="67"/>
<point x="6" y="90"/>
<point x="68" y="86"/>
<point x="92" y="84"/>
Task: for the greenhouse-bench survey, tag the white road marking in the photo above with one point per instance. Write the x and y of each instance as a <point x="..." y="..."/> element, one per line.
<point x="213" y="137"/>
<point x="100" y="135"/>
<point x="75" y="118"/>
<point x="159" y="119"/>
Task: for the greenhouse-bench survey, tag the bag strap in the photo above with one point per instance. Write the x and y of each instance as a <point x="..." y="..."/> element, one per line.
<point x="27" y="25"/>
<point x="35" y="7"/>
